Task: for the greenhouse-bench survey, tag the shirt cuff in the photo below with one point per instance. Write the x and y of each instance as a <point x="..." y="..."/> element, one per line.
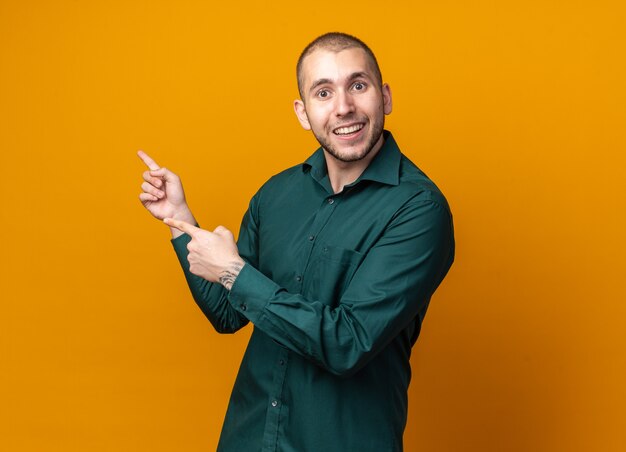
<point x="251" y="292"/>
<point x="180" y="247"/>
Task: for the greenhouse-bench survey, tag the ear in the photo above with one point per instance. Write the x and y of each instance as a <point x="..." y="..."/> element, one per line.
<point x="387" y="104"/>
<point x="300" y="109"/>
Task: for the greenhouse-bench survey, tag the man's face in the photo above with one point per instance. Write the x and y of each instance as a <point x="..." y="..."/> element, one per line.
<point x="342" y="103"/>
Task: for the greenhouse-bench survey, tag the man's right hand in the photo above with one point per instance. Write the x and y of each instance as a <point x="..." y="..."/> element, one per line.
<point x="162" y="193"/>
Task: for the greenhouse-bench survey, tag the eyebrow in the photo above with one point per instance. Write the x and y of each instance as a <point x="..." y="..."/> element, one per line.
<point x="323" y="81"/>
<point x="318" y="82"/>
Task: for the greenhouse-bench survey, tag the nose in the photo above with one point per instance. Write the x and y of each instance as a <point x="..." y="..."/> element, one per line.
<point x="345" y="103"/>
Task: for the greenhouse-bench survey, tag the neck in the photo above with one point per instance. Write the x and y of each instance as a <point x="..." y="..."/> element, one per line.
<point x="342" y="173"/>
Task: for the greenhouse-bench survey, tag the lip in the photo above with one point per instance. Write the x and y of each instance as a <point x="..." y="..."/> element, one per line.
<point x="350" y="136"/>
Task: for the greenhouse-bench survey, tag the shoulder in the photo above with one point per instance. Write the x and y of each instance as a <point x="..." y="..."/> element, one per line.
<point x="283" y="180"/>
<point x="279" y="185"/>
<point x="408" y="183"/>
<point x="292" y="174"/>
<point x="417" y="186"/>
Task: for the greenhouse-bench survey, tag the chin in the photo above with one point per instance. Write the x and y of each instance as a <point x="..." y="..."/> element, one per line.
<point x="348" y="155"/>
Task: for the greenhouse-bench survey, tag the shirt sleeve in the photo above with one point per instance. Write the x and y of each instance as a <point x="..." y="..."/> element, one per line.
<point x="212" y="298"/>
<point x="389" y="290"/>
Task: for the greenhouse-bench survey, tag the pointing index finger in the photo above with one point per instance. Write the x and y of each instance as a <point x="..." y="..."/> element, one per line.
<point x="151" y="164"/>
<point x="181" y="226"/>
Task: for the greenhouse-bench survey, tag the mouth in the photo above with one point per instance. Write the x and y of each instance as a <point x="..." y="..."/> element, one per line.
<point x="349" y="130"/>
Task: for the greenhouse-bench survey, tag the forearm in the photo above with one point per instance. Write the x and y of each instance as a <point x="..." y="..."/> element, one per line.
<point x="340" y="339"/>
<point x="230" y="273"/>
<point x="211" y="298"/>
<point x="389" y="292"/>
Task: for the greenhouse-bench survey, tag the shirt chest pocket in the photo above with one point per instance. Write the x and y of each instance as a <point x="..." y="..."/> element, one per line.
<point x="330" y="273"/>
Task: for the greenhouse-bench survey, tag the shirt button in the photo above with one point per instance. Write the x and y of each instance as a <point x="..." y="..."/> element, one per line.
<point x="274" y="403"/>
<point x="243" y="307"/>
<point x="311" y="238"/>
<point x="298" y="278"/>
<point x="331" y="200"/>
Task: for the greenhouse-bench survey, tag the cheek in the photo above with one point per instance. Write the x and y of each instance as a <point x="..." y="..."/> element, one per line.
<point x="317" y="124"/>
<point x="318" y="116"/>
<point x="371" y="105"/>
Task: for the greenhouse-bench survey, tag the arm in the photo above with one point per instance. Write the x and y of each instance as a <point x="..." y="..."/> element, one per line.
<point x="211" y="297"/>
<point x="163" y="196"/>
<point x="390" y="290"/>
<point x="209" y="283"/>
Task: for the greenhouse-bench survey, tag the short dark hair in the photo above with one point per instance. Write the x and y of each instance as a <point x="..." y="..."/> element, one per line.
<point x="336" y="42"/>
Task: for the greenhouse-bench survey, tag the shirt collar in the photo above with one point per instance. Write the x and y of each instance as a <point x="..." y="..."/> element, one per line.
<point x="384" y="168"/>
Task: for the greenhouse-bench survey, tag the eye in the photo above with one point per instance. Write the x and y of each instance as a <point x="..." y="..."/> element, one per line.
<point x="359" y="86"/>
<point x="323" y="94"/>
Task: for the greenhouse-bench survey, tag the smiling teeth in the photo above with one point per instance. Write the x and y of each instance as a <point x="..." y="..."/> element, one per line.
<point x="348" y="130"/>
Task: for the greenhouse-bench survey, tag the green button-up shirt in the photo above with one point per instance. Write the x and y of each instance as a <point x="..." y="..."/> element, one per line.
<point x="337" y="286"/>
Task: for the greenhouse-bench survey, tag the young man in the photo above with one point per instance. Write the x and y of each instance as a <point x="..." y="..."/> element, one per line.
<point x="335" y="265"/>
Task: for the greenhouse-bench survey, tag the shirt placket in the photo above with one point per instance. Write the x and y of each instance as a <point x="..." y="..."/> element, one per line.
<point x="275" y="402"/>
<point x="271" y="436"/>
<point x="328" y="206"/>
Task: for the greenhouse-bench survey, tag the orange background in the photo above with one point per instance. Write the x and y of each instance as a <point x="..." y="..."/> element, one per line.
<point x="516" y="109"/>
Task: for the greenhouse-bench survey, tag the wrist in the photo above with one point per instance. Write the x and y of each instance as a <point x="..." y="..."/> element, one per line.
<point x="229" y="274"/>
<point x="184" y="214"/>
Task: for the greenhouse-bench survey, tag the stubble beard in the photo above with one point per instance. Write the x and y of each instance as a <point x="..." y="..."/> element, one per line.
<point x="377" y="131"/>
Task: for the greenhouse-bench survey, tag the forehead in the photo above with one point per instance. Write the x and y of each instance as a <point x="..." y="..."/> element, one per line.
<point x="335" y="66"/>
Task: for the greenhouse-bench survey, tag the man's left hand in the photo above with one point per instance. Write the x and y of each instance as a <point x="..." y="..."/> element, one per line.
<point x="212" y="255"/>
